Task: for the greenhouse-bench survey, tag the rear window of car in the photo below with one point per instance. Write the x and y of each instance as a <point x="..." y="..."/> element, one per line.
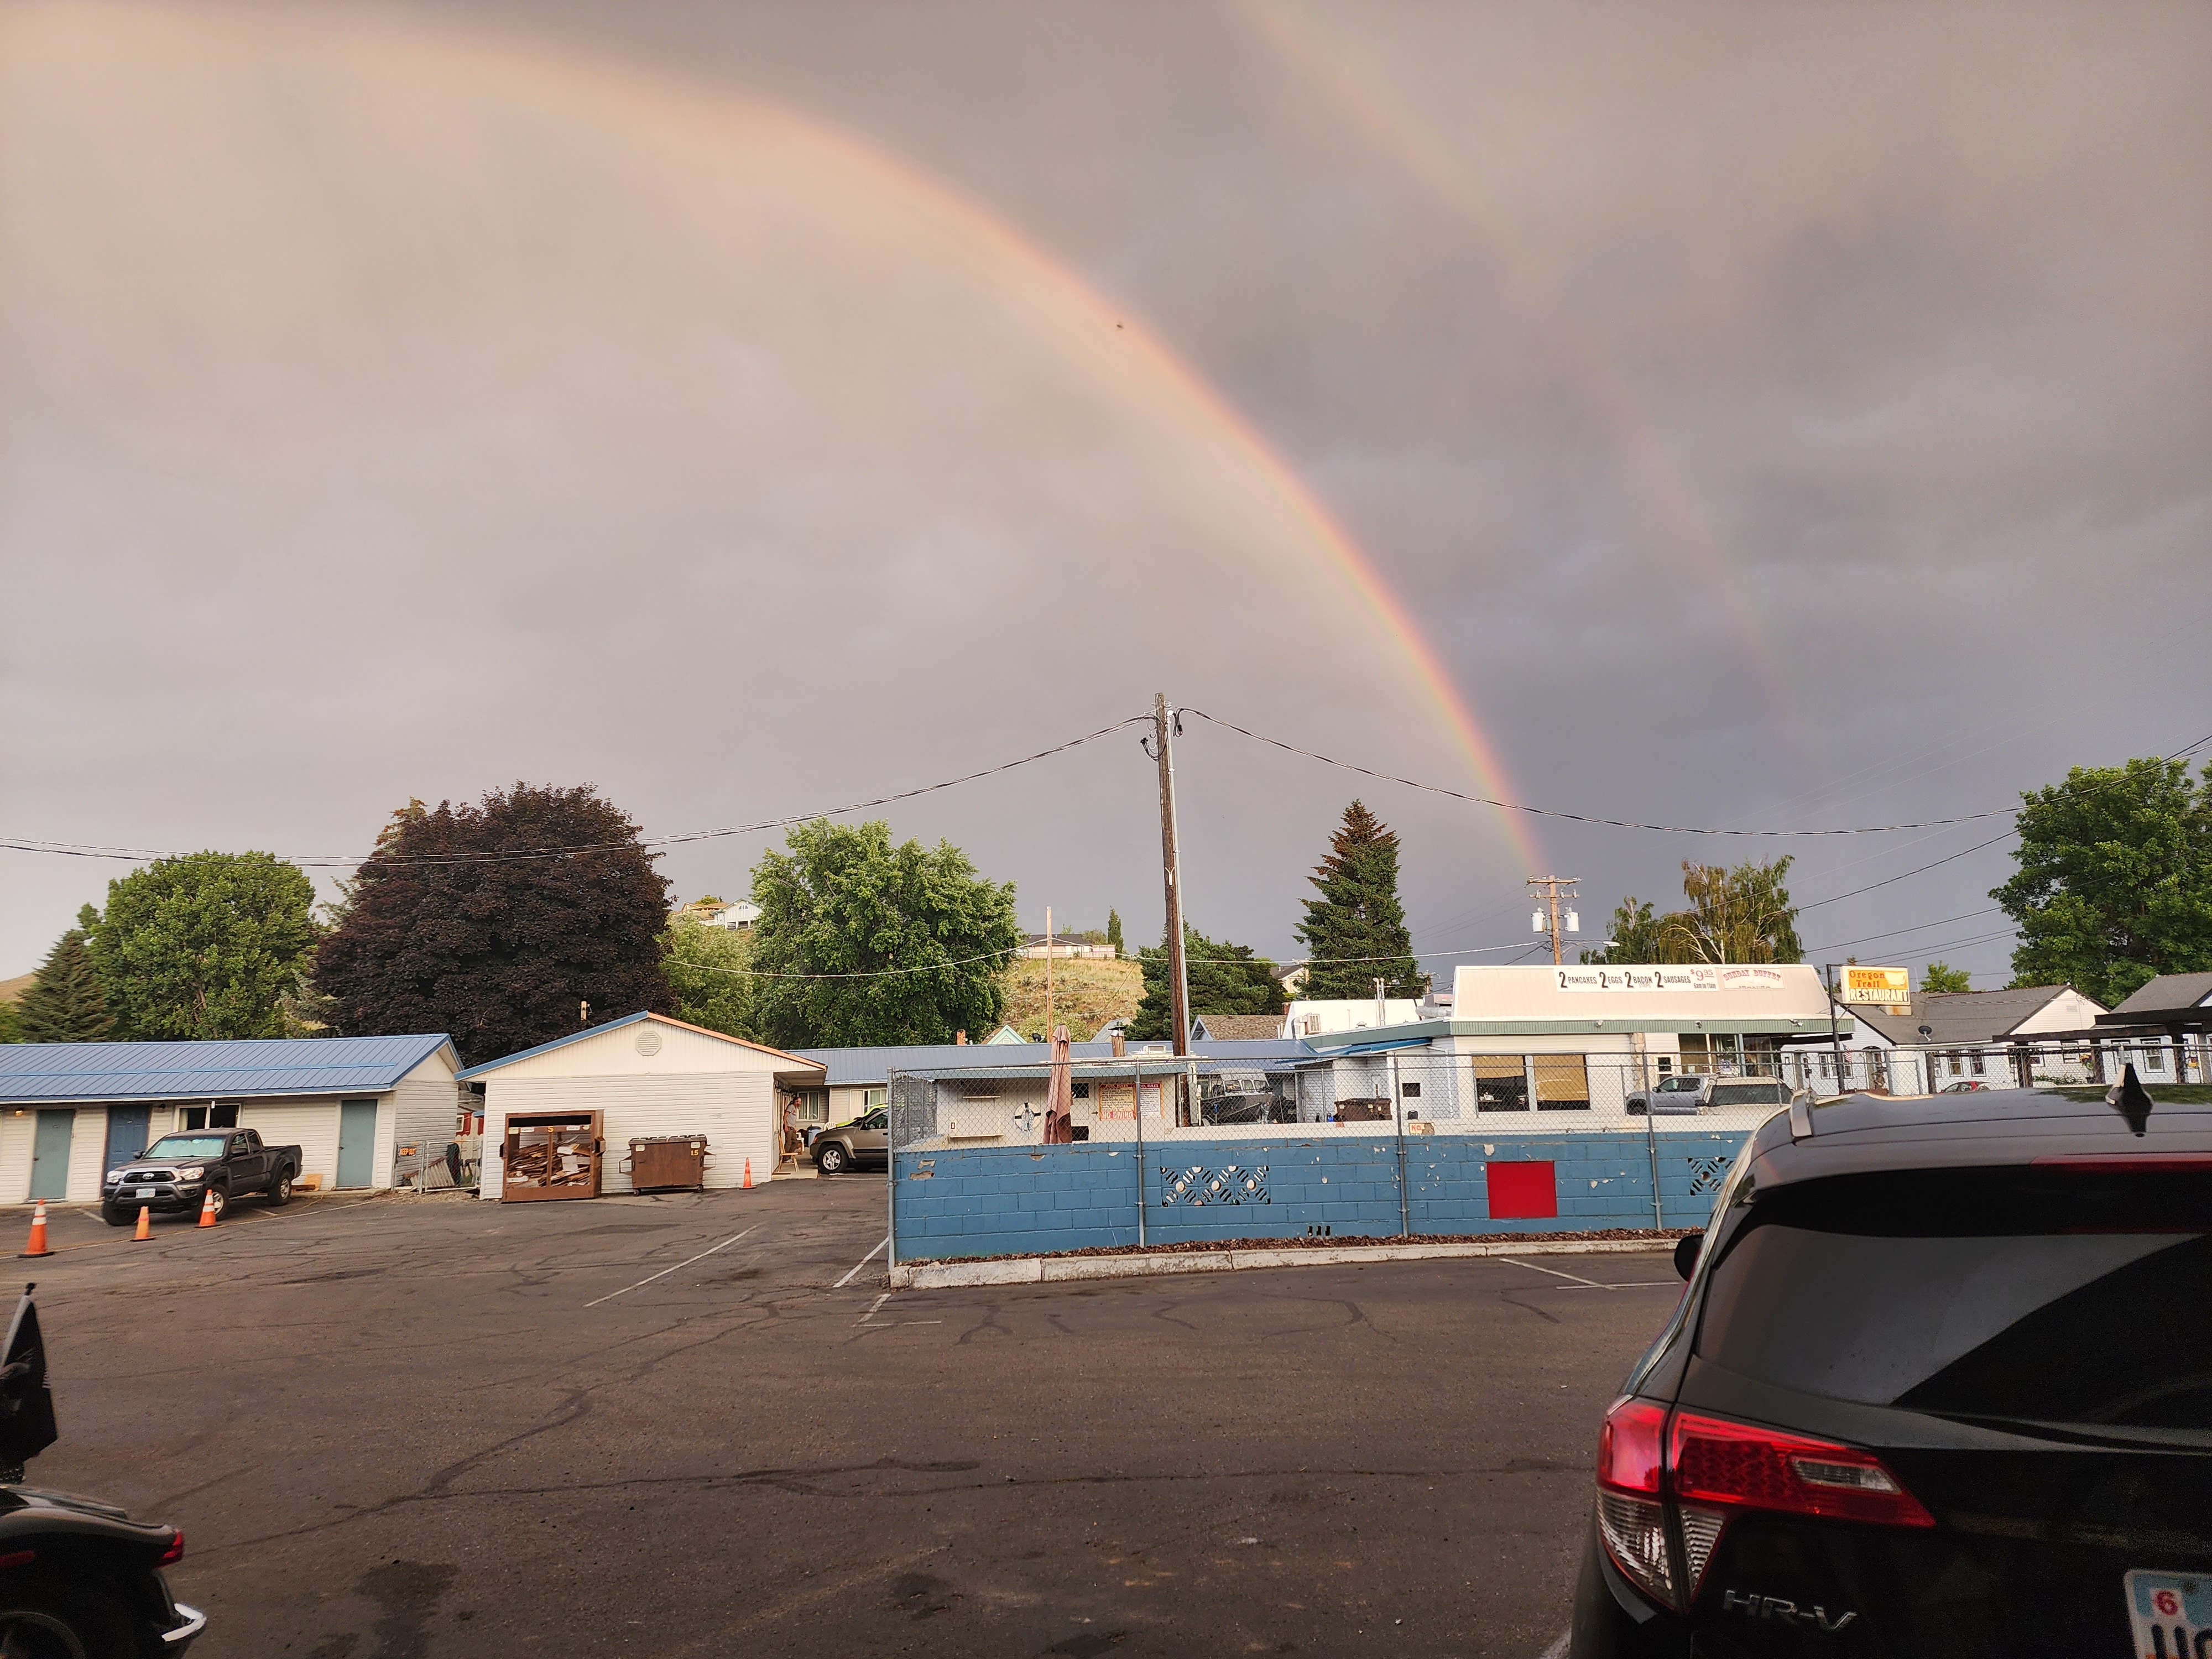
<point x="2046" y="1295"/>
<point x="1747" y="1094"/>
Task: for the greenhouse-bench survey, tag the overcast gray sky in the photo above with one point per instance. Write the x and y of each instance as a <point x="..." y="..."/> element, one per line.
<point x="1766" y="417"/>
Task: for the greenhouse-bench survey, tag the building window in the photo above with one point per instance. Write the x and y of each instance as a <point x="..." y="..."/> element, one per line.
<point x="1981" y="1068"/>
<point x="871" y="1098"/>
<point x="1082" y="1091"/>
<point x="1410" y="1091"/>
<point x="222" y="1115"/>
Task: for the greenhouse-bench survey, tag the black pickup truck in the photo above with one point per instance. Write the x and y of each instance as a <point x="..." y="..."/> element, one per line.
<point x="178" y="1172"/>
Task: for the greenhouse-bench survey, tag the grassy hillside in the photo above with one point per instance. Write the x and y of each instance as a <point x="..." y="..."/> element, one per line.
<point x="11" y="990"/>
<point x="1084" y="995"/>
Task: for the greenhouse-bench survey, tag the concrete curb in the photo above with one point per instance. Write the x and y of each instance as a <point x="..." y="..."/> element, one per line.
<point x="1053" y="1269"/>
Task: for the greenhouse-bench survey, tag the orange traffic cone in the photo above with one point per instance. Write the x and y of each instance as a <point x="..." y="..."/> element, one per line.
<point x="38" y="1244"/>
<point x="207" y="1209"/>
<point x="145" y="1225"/>
<point x="748" y="1180"/>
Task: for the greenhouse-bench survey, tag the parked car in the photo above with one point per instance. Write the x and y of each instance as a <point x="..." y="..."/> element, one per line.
<point x="1939" y="1382"/>
<point x="1964" y="1086"/>
<point x="1690" y="1093"/>
<point x="178" y="1172"/>
<point x="77" y="1577"/>
<point x="864" y="1141"/>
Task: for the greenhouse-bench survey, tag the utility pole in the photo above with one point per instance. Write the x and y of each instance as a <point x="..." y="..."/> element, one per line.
<point x="1047" y="973"/>
<point x="1552" y="884"/>
<point x="1835" y="1032"/>
<point x="1163" y="730"/>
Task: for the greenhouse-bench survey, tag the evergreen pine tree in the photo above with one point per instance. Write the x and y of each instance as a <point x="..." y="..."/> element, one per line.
<point x="1355" y="932"/>
<point x="65" y="1002"/>
<point x="1114" y="933"/>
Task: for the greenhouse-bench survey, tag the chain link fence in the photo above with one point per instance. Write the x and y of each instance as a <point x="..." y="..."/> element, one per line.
<point x="1144" y="1098"/>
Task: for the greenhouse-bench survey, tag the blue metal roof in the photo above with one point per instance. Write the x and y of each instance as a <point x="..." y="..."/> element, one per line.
<point x="35" y="1072"/>
<point x="1378" y="1047"/>
<point x="850" y="1067"/>
<point x="476" y="1072"/>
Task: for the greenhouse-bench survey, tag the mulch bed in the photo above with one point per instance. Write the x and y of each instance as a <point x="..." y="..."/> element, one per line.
<point x="1189" y="1247"/>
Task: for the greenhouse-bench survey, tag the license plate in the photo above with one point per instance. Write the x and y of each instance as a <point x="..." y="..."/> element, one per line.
<point x="148" y="1192"/>
<point x="2173" y="1613"/>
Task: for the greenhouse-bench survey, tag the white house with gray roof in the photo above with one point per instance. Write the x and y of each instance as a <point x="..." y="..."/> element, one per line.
<point x="71" y="1111"/>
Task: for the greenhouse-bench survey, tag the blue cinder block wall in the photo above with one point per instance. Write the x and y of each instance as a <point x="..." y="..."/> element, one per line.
<point x="1030" y="1200"/>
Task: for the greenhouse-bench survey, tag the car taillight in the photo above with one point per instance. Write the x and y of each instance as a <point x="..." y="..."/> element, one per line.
<point x="1693" y="1472"/>
<point x="175" y="1551"/>
<point x="1631" y="1514"/>
<point x="1746" y="1466"/>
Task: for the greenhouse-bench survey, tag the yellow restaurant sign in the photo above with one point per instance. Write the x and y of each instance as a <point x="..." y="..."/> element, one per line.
<point x="1883" y="986"/>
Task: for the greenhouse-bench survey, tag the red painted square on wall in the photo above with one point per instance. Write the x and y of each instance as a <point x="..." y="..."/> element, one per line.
<point x="1522" y="1192"/>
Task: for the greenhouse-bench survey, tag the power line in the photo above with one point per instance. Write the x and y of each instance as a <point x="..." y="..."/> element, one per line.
<point x="1015" y="951"/>
<point x="323" y="861"/>
<point x="1588" y="818"/>
<point x="1816" y="904"/>
<point x="1987" y="909"/>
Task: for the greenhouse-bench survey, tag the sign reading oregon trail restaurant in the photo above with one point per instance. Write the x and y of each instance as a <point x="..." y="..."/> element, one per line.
<point x="1733" y="976"/>
<point x="1888" y="987"/>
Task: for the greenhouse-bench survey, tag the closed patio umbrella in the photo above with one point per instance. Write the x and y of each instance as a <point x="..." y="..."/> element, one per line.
<point x="1060" y="1094"/>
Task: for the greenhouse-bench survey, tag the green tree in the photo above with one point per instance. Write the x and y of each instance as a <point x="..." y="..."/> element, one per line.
<point x="710" y="970"/>
<point x="1638" y="935"/>
<point x="1355" y="932"/>
<point x="204" y="946"/>
<point x="1742" y="915"/>
<point x="494" y="922"/>
<point x="2113" y="879"/>
<point x="1737" y="915"/>
<point x="65" y="1001"/>
<point x="1224" y="979"/>
<point x="1114" y="933"/>
<point x="1939" y="978"/>
<point x="868" y="943"/>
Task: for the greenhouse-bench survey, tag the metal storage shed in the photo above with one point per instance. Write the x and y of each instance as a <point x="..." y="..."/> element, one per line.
<point x="647" y="1074"/>
<point x="69" y="1111"/>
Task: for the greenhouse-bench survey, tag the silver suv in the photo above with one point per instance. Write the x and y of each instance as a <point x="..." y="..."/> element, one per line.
<point x="1690" y="1093"/>
<point x="864" y="1140"/>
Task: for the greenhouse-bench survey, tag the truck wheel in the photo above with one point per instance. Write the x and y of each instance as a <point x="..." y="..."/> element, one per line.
<point x="44" y="1618"/>
<point x="116" y="1216"/>
<point x="280" y="1191"/>
<point x="830" y="1157"/>
<point x="221" y="1200"/>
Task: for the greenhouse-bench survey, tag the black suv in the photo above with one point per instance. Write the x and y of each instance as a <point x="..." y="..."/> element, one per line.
<point x="1940" y="1383"/>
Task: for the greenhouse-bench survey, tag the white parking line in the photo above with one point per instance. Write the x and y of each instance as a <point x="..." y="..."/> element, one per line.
<point x="1558" y="1649"/>
<point x="861" y="1263"/>
<point x="1555" y="1273"/>
<point x="664" y="1272"/>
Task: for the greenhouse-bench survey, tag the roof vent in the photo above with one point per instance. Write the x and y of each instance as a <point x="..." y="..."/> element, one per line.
<point x="648" y="1042"/>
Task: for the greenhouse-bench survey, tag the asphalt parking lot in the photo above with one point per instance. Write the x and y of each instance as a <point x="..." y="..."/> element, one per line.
<point x="424" y="1427"/>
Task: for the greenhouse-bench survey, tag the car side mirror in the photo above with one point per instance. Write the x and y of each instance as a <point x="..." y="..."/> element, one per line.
<point x="26" y="1404"/>
<point x="1685" y="1254"/>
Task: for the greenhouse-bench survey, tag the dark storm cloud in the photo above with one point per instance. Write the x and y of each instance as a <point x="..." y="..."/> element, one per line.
<point x="1795" y="423"/>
